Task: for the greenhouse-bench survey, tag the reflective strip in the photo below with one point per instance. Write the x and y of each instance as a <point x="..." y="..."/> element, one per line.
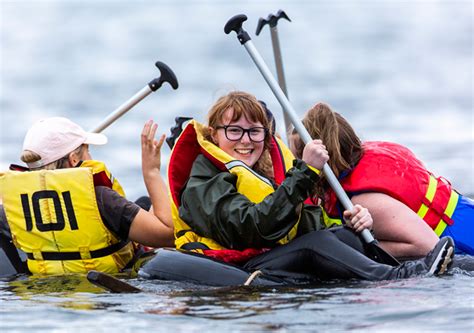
<point x="237" y="163"/>
<point x="440" y="228"/>
<point x="328" y="221"/>
<point x="317" y="171"/>
<point x="430" y="193"/>
<point x="449" y="211"/>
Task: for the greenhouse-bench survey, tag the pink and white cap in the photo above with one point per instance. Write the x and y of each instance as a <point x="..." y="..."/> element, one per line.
<point x="55" y="137"/>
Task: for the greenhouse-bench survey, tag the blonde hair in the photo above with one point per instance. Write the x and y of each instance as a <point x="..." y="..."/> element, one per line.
<point x="29" y="156"/>
<point x="343" y="145"/>
<point x="246" y="105"/>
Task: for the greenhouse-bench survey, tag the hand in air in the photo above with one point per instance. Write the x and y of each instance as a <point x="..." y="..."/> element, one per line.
<point x="315" y="154"/>
<point x="359" y="219"/>
<point x="151" y="148"/>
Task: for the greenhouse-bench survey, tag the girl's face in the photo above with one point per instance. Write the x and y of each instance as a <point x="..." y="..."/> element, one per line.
<point x="244" y="149"/>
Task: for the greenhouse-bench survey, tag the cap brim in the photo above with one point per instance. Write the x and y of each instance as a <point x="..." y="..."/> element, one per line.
<point x="95" y="139"/>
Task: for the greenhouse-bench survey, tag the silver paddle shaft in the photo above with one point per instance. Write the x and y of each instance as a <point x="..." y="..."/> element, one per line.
<point x="122" y="109"/>
<point x="285" y="103"/>
<point x="280" y="74"/>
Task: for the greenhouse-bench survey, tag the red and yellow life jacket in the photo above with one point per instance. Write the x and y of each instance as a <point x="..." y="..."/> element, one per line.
<point x="189" y="145"/>
<point x="394" y="170"/>
<point x="54" y="218"/>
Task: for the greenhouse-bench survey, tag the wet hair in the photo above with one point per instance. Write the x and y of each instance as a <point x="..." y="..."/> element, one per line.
<point x="245" y="105"/>
<point x="343" y="145"/>
<point x="28" y="156"/>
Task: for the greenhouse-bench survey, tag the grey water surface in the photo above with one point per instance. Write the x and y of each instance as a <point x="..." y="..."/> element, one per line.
<point x="397" y="70"/>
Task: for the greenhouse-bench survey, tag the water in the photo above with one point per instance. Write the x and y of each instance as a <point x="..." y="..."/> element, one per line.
<point x="70" y="304"/>
<point x="397" y="70"/>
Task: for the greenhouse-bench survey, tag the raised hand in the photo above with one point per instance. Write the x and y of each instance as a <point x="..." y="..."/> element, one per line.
<point x="151" y="148"/>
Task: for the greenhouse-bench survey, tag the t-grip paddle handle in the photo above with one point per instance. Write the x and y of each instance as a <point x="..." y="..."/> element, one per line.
<point x="235" y="24"/>
<point x="176" y="130"/>
<point x="167" y="75"/>
<point x="271" y="20"/>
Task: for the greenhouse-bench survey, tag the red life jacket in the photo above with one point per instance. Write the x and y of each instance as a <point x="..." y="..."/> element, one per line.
<point x="394" y="170"/>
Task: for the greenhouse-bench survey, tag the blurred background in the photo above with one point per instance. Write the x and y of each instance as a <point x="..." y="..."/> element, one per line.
<point x="397" y="70"/>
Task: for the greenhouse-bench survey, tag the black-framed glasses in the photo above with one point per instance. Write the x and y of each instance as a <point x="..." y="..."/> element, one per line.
<point x="235" y="133"/>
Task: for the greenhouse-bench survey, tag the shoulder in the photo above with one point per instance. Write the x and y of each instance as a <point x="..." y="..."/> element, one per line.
<point x="204" y="169"/>
<point x="205" y="177"/>
<point x="109" y="199"/>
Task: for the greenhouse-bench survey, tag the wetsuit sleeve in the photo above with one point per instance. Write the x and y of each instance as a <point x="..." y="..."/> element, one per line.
<point x="4" y="227"/>
<point x="117" y="212"/>
<point x="212" y="207"/>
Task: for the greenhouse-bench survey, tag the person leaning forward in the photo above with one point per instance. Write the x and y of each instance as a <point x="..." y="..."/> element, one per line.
<point x="68" y="214"/>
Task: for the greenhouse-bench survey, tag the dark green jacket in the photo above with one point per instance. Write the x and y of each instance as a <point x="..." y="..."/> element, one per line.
<point x="212" y="207"/>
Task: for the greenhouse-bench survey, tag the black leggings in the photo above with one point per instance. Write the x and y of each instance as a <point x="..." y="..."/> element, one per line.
<point x="335" y="253"/>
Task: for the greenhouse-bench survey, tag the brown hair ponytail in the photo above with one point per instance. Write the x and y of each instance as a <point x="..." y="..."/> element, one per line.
<point x="343" y="145"/>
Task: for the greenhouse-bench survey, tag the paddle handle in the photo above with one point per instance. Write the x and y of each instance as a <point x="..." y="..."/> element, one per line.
<point x="166" y="75"/>
<point x="288" y="109"/>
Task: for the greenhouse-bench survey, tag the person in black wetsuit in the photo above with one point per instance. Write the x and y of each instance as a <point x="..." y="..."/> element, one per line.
<point x="220" y="216"/>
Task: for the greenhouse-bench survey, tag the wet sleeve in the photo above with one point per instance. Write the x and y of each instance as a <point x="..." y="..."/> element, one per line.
<point x="4" y="227"/>
<point x="117" y="212"/>
<point x="213" y="208"/>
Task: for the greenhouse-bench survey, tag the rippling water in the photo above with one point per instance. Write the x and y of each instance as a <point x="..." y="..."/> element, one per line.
<point x="71" y="304"/>
<point x="398" y="70"/>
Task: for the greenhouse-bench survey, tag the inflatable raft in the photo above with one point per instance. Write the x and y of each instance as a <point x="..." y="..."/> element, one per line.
<point x="173" y="265"/>
<point x="165" y="264"/>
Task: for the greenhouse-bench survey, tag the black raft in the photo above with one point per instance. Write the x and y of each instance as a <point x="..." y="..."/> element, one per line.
<point x="174" y="265"/>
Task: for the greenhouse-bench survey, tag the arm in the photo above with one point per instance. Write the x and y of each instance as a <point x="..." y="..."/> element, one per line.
<point x="128" y="221"/>
<point x="151" y="164"/>
<point x="148" y="230"/>
<point x="212" y="207"/>
<point x="399" y="230"/>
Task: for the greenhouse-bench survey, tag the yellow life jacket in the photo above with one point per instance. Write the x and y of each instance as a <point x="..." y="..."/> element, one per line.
<point x="54" y="218"/>
<point x="102" y="176"/>
<point x="188" y="146"/>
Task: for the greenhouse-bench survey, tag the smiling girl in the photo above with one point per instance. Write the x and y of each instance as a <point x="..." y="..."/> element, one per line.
<point x="238" y="195"/>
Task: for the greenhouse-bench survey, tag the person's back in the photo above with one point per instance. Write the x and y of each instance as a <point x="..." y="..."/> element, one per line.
<point x="68" y="214"/>
<point x="54" y="218"/>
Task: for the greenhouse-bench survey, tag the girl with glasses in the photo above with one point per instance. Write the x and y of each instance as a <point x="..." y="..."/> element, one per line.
<point x="238" y="195"/>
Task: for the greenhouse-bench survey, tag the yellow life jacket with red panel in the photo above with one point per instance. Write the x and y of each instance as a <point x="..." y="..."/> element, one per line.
<point x="394" y="170"/>
<point x="189" y="145"/>
<point x="54" y="218"/>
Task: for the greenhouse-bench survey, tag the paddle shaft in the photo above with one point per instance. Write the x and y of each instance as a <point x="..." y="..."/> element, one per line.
<point x="288" y="109"/>
<point x="167" y="75"/>
<point x="280" y="74"/>
<point x="122" y="109"/>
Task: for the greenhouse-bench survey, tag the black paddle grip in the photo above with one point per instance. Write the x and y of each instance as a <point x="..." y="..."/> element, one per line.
<point x="176" y="130"/>
<point x="235" y="24"/>
<point x="167" y="75"/>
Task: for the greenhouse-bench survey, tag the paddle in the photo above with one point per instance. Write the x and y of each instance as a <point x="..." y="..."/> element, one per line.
<point x="167" y="75"/>
<point x="272" y="21"/>
<point x="235" y="24"/>
<point x="110" y="283"/>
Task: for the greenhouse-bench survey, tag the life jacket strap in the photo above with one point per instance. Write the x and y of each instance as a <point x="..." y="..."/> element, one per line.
<point x="194" y="246"/>
<point x="445" y="215"/>
<point x="77" y="255"/>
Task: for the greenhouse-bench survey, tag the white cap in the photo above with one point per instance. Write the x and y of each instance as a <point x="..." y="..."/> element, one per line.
<point x="54" y="138"/>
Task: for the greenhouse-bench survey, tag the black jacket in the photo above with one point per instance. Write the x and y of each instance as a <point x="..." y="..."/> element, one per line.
<point x="212" y="207"/>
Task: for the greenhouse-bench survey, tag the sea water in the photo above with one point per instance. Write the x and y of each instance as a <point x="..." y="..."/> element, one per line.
<point x="397" y="70"/>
